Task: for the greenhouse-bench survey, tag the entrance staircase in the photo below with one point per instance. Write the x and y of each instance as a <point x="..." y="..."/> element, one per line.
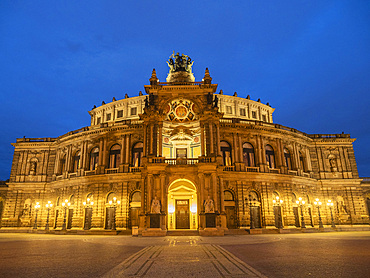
<point x="183" y="232"/>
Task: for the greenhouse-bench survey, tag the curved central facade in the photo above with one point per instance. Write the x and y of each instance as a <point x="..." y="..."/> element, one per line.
<point x="183" y="157"/>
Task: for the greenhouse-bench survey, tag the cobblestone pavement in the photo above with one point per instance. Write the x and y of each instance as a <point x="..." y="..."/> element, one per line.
<point x="183" y="260"/>
<point x="285" y="255"/>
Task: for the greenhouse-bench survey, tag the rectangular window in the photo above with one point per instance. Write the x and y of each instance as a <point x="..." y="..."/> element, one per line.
<point x="254" y="114"/>
<point x="229" y="110"/>
<point x="242" y="111"/>
<point x="109" y="116"/>
<point x="119" y="113"/>
<point x="264" y="118"/>
<point x="133" y="111"/>
<point x="98" y="120"/>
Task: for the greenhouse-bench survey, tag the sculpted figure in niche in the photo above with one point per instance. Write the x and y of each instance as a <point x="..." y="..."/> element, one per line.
<point x="333" y="165"/>
<point x="156" y="206"/>
<point x="209" y="206"/>
<point x="33" y="168"/>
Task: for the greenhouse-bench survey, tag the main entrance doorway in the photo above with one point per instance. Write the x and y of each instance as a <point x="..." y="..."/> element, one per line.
<point x="182" y="205"/>
<point x="182" y="214"/>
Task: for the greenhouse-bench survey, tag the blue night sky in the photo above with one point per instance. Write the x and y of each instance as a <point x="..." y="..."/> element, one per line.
<point x="309" y="59"/>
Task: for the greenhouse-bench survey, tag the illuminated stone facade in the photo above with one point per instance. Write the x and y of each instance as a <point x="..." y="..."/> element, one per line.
<point x="182" y="156"/>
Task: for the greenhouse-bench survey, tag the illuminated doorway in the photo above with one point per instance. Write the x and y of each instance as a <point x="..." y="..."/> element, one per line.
<point x="182" y="205"/>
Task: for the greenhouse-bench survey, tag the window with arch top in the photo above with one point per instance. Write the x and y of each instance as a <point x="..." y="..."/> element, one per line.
<point x="248" y="155"/>
<point x="114" y="156"/>
<point x="76" y="161"/>
<point x="288" y="159"/>
<point x="270" y="156"/>
<point x="226" y="153"/>
<point x="94" y="158"/>
<point x="137" y="154"/>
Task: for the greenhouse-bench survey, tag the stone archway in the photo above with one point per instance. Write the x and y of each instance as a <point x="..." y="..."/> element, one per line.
<point x="182" y="205"/>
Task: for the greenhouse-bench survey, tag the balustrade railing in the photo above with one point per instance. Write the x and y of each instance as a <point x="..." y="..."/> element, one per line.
<point x="274" y="170"/>
<point x="111" y="171"/>
<point x="181" y="161"/>
<point x="229" y="168"/>
<point x="252" y="169"/>
<point x="90" y="173"/>
<point x="135" y="169"/>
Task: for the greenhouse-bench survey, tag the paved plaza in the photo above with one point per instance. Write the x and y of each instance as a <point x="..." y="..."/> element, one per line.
<point x="336" y="254"/>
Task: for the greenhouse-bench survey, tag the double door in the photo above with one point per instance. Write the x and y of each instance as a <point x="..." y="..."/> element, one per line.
<point x="182" y="214"/>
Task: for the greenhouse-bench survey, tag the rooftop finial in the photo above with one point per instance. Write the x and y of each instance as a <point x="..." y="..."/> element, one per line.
<point x="207" y="78"/>
<point x="153" y="80"/>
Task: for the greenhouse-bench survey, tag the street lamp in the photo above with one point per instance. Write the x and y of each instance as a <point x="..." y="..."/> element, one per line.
<point x="37" y="207"/>
<point x="114" y="204"/>
<point x="300" y="202"/>
<point x="48" y="206"/>
<point x="88" y="212"/>
<point x="318" y="204"/>
<point x="330" y="204"/>
<point x="277" y="203"/>
<point x="65" y="205"/>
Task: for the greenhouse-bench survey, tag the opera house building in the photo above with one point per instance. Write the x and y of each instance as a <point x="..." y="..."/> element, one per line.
<point x="183" y="156"/>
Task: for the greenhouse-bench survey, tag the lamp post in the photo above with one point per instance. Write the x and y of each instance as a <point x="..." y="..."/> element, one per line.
<point x="65" y="205"/>
<point x="250" y="212"/>
<point x="318" y="204"/>
<point x="330" y="204"/>
<point x="48" y="206"/>
<point x="114" y="204"/>
<point x="88" y="207"/>
<point x="300" y="202"/>
<point x="37" y="207"/>
<point x="277" y="203"/>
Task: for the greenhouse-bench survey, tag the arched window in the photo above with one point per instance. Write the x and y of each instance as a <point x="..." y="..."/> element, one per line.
<point x="62" y="164"/>
<point x="76" y="161"/>
<point x="228" y="196"/>
<point x="110" y="196"/>
<point x="302" y="162"/>
<point x="226" y="153"/>
<point x="294" y="199"/>
<point x="136" y="196"/>
<point x="114" y="156"/>
<point x="248" y="155"/>
<point x="72" y="200"/>
<point x="288" y="159"/>
<point x="253" y="196"/>
<point x="137" y="154"/>
<point x="94" y="158"/>
<point x="270" y="156"/>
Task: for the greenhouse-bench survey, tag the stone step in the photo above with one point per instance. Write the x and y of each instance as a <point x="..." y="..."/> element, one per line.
<point x="183" y="233"/>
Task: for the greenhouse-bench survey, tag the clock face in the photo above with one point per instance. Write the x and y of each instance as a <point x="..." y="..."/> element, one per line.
<point x="180" y="110"/>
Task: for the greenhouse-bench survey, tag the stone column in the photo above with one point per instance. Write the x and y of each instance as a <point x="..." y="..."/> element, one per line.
<point x="235" y="147"/>
<point x="128" y="150"/>
<point x="201" y="192"/>
<point x="222" y="189"/>
<point x="202" y="139"/>
<point x="214" y="191"/>
<point x="145" y="148"/>
<point x="150" y="191"/>
<point x="151" y="139"/>
<point x="123" y="150"/>
<point x="160" y="140"/>
<point x="218" y="139"/>
<point x="163" y="190"/>
<point x="211" y="138"/>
